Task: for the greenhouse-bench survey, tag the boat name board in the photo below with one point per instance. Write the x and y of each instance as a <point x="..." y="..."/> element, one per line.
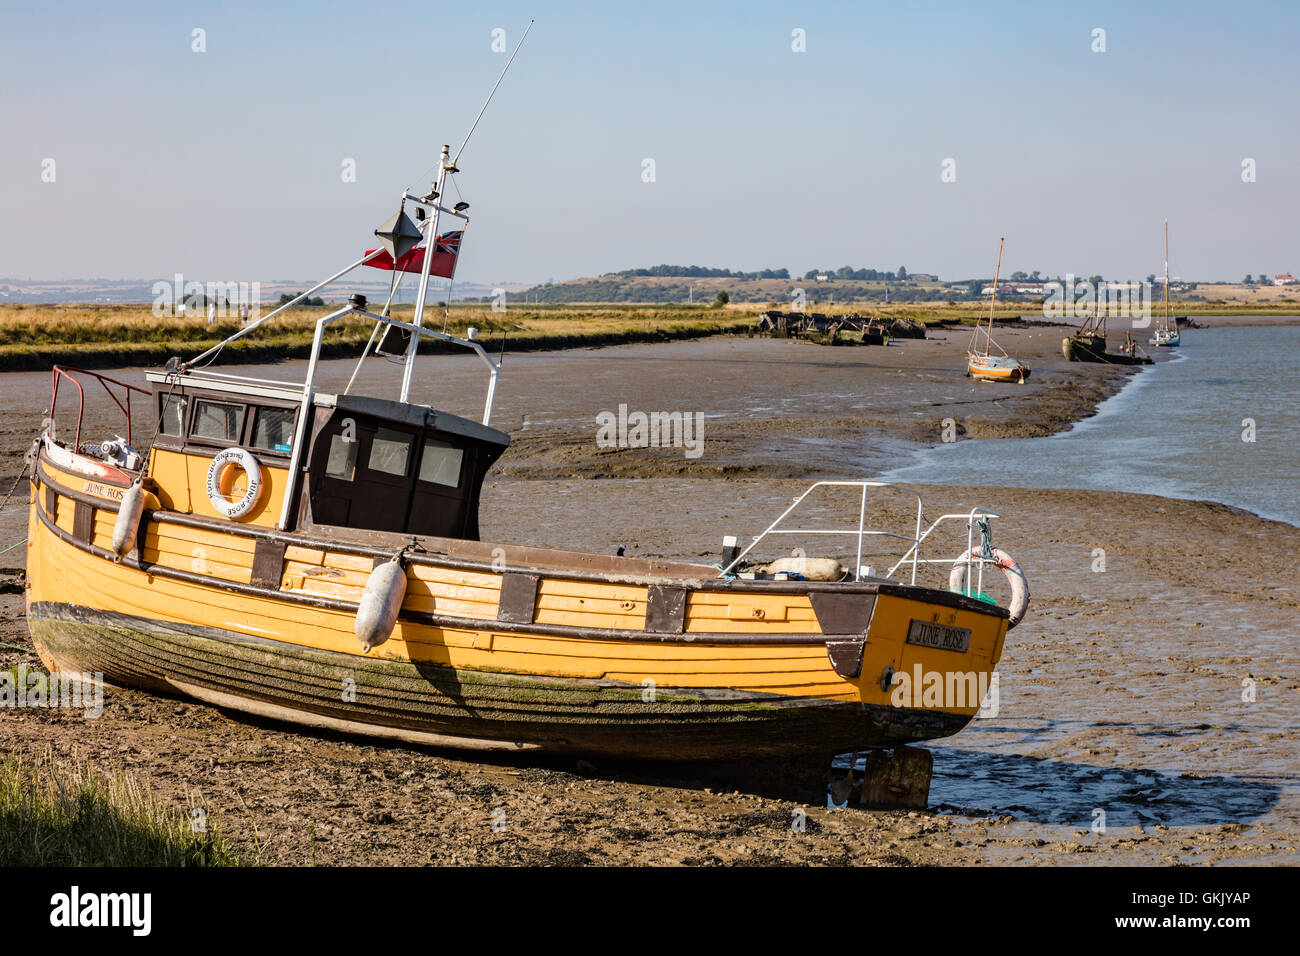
<point x="103" y="491"/>
<point x="945" y="637"/>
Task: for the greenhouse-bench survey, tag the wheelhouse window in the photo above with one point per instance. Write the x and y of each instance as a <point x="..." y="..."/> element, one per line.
<point x="440" y="463"/>
<point x="342" y="460"/>
<point x="390" y="452"/>
<point x="273" y="428"/>
<point x="217" y="421"/>
<point x="172" y="415"/>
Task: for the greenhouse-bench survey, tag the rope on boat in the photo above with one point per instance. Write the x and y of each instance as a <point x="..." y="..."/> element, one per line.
<point x="12" y="546"/>
<point x="25" y="650"/>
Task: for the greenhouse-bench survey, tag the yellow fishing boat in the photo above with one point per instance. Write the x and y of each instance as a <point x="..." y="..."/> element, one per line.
<point x="357" y="597"/>
<point x="314" y="557"/>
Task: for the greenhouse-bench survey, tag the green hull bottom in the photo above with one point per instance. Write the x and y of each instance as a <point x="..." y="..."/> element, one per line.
<point x="445" y="706"/>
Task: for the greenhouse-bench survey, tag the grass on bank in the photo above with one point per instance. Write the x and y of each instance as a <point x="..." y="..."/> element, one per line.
<point x="55" y="815"/>
<point x="35" y="336"/>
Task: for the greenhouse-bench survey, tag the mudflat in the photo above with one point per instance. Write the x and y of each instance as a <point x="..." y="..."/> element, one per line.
<point x="1146" y="705"/>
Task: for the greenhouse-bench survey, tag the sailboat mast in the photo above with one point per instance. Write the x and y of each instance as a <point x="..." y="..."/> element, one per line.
<point x="1166" y="275"/>
<point x="988" y="342"/>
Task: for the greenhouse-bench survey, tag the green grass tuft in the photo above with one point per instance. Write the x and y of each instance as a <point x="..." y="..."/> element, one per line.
<point x="53" y="815"/>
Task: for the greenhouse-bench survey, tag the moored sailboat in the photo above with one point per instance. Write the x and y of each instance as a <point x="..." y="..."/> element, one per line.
<point x="984" y="365"/>
<point x="1166" y="334"/>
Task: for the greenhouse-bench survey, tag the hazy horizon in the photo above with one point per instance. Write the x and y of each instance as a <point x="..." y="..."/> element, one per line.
<point x="227" y="164"/>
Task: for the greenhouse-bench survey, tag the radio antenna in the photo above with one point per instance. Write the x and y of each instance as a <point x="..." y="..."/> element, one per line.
<point x="492" y="94"/>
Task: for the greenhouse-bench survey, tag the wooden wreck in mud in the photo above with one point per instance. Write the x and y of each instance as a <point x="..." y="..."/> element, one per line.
<point x="851" y="329"/>
<point x="313" y="556"/>
<point x="1089" y="345"/>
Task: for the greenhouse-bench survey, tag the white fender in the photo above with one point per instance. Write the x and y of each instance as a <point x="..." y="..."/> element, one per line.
<point x="1015" y="577"/>
<point x="380" y="603"/>
<point x="812" y="569"/>
<point x="232" y="458"/>
<point x="127" y="525"/>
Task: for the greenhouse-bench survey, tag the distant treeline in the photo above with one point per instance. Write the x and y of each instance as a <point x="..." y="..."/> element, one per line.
<point x="628" y="289"/>
<point x="848" y="272"/>
<point x="702" y="272"/>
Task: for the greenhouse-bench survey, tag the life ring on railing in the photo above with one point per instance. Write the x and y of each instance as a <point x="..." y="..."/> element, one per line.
<point x="221" y="479"/>
<point x="1007" y="565"/>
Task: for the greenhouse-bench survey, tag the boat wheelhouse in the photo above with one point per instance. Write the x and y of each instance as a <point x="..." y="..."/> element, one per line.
<point x="369" y="464"/>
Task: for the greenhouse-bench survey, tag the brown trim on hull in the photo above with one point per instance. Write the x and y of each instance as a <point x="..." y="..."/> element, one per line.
<point x="518" y="599"/>
<point x="83" y="522"/>
<point x="846" y="656"/>
<point x="665" y="609"/>
<point x="848" y="613"/>
<point x="268" y="563"/>
<point x="845" y="619"/>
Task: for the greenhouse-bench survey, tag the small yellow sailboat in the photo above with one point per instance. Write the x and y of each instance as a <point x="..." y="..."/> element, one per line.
<point x="984" y="365"/>
<point x="313" y="556"/>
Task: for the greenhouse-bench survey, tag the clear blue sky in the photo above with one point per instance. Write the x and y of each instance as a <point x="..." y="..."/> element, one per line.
<point x="226" y="164"/>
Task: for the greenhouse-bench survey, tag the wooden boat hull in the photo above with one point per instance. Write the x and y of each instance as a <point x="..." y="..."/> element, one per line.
<point x="996" y="373"/>
<point x="1092" y="348"/>
<point x="619" y="665"/>
<point x="437" y="705"/>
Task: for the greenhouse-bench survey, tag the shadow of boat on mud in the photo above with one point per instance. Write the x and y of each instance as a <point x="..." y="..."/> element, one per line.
<point x="1060" y="792"/>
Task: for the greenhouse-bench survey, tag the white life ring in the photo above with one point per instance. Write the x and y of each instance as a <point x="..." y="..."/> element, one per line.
<point x="1007" y="565"/>
<point x="221" y="477"/>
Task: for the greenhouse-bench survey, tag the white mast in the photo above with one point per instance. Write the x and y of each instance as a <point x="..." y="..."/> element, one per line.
<point x="1166" y="275"/>
<point x="988" y="338"/>
<point x="445" y="165"/>
<point x="430" y="250"/>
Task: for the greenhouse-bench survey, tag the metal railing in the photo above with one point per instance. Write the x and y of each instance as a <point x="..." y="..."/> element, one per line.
<point x="912" y="555"/>
<point x="61" y="372"/>
<point x="974" y="580"/>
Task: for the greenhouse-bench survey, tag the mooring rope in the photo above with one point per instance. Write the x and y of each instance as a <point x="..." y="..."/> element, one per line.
<point x="12" y="546"/>
<point x="3" y="504"/>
